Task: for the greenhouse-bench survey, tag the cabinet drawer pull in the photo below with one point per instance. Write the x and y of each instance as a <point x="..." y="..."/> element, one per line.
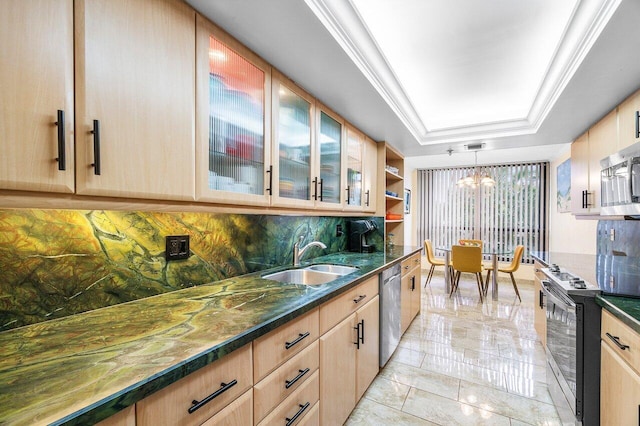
<point x="96" y="147"/>
<point x="359" y="299"/>
<point x="270" y="188"/>
<point x="616" y="340"/>
<point x="301" y="336"/>
<point x="62" y="158"/>
<point x="406" y="267"/>
<point x="289" y="383"/>
<point x="223" y="388"/>
<point x="293" y="419"/>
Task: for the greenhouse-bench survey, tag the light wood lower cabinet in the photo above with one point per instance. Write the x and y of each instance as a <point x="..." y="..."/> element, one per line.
<point x="539" y="307"/>
<point x="238" y="413"/>
<point x="284" y="381"/>
<point x="344" y="373"/>
<point x="172" y="405"/>
<point x="293" y="409"/>
<point x="619" y="390"/>
<point x="410" y="291"/>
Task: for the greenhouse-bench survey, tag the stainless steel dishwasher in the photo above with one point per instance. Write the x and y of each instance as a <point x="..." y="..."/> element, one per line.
<point x="389" y="312"/>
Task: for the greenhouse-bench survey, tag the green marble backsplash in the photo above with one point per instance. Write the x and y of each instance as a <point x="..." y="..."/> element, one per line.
<point x="55" y="263"/>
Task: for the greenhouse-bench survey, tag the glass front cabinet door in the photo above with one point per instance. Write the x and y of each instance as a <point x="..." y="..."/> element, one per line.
<point x="355" y="156"/>
<point x="293" y="144"/>
<point x="232" y="121"/>
<point x="328" y="180"/>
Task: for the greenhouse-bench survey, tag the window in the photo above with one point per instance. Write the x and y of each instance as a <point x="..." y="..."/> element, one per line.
<point x="512" y="212"/>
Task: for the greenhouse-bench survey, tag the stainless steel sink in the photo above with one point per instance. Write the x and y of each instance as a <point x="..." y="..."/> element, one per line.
<point x="333" y="269"/>
<point x="302" y="276"/>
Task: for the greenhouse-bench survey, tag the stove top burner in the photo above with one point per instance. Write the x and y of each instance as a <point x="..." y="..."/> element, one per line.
<point x="571" y="284"/>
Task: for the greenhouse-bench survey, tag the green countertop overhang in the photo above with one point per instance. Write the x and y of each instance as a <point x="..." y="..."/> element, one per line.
<point x="84" y="368"/>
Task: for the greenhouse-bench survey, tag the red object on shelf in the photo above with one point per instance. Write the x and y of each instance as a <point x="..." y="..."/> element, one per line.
<point x="394" y="216"/>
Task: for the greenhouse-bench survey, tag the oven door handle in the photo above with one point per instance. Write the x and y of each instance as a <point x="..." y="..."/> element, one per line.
<point x="552" y="297"/>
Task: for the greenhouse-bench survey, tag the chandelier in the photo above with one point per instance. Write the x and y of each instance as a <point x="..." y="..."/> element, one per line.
<point x="476" y="178"/>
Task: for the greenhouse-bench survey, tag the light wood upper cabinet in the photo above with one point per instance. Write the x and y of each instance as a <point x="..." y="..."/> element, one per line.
<point x="370" y="175"/>
<point x="36" y="80"/>
<point x="233" y="136"/>
<point x="135" y="93"/>
<point x="355" y="169"/>
<point x="293" y="143"/>
<point x="330" y="174"/>
<point x="580" y="174"/>
<point x="603" y="138"/>
<point x="629" y="121"/>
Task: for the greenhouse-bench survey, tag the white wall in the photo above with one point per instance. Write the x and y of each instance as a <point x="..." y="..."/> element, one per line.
<point x="566" y="233"/>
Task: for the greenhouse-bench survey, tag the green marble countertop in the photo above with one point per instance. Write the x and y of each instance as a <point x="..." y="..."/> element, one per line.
<point x="626" y="309"/>
<point x="84" y="368"/>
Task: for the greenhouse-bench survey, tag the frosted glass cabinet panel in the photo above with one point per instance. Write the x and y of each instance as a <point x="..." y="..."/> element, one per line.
<point x="355" y="154"/>
<point x="232" y="90"/>
<point x="293" y="142"/>
<point x="330" y="142"/>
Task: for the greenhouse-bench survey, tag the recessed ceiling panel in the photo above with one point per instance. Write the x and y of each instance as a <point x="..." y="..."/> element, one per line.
<point x="467" y="62"/>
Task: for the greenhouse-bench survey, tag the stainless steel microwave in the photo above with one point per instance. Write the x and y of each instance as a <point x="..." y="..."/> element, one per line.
<point x="620" y="183"/>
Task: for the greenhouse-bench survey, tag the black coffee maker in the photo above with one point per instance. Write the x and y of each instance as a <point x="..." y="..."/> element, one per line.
<point x="358" y="230"/>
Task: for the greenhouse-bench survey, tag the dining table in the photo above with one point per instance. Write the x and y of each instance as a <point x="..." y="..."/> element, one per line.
<point x="488" y="250"/>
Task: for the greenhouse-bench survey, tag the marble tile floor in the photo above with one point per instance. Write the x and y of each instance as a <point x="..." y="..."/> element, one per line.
<point x="464" y="363"/>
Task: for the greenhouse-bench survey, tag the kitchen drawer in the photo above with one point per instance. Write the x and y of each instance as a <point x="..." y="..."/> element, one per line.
<point x="238" y="413"/>
<point x="273" y="388"/>
<point x="171" y="404"/>
<point x="284" y="342"/>
<point x="537" y="269"/>
<point x="625" y="336"/>
<point x="308" y="393"/>
<point x="312" y="418"/>
<point x="337" y="309"/>
<point x="409" y="263"/>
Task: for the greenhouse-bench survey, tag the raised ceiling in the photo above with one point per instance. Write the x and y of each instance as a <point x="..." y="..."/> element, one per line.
<point x="432" y="75"/>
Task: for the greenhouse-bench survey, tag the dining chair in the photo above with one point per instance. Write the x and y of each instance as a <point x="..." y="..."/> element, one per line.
<point x="466" y="242"/>
<point x="467" y="259"/>
<point x="510" y="269"/>
<point x="432" y="259"/>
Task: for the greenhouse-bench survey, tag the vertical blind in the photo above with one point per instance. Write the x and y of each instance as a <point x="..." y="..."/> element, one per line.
<point x="512" y="212"/>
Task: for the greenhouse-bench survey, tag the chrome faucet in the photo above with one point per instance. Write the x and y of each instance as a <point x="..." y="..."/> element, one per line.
<point x="297" y="251"/>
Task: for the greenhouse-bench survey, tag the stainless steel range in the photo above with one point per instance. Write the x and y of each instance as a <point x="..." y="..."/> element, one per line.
<point x="573" y="344"/>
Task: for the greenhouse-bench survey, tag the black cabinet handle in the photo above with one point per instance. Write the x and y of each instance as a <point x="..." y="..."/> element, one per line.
<point x="359" y="299"/>
<point x="362" y="335"/>
<point x="541" y="299"/>
<point x="293" y="419"/>
<point x="96" y="147"/>
<point x="315" y="191"/>
<point x="301" y="336"/>
<point x="413" y="283"/>
<point x="62" y="158"/>
<point x="289" y="383"/>
<point x="321" y="183"/>
<point x="367" y="193"/>
<point x="357" y="342"/>
<point x="223" y="388"/>
<point x="585" y="200"/>
<point x="348" y="196"/>
<point x="637" y="124"/>
<point x="270" y="188"/>
<point x="616" y="340"/>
